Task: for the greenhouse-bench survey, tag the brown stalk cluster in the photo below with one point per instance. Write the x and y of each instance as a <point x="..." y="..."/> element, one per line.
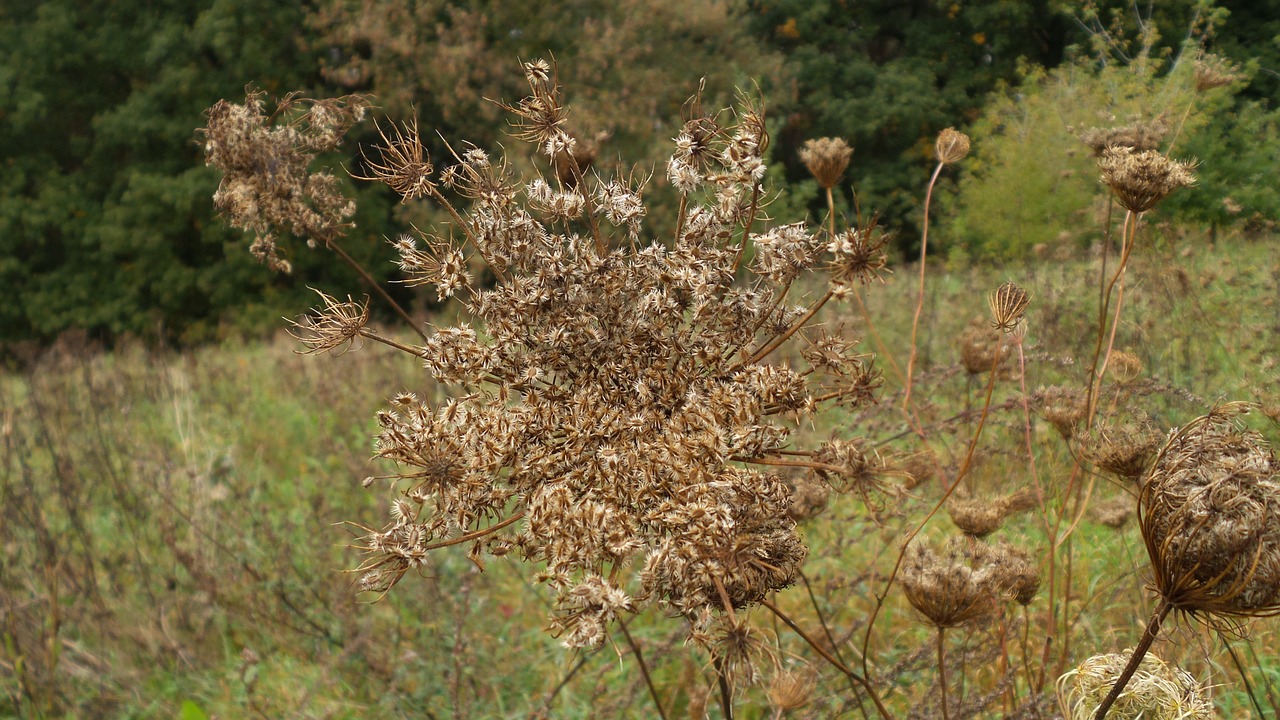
<point x="979" y="342"/>
<point x="1064" y="408"/>
<point x="826" y="159"/>
<point x="1141" y="136"/>
<point x="617" y="421"/>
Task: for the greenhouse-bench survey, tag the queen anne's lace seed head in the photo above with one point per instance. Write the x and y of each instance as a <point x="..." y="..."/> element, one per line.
<point x="615" y="416"/>
<point x="1141" y="179"/>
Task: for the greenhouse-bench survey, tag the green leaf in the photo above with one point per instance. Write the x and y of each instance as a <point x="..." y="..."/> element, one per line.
<point x="191" y="711"/>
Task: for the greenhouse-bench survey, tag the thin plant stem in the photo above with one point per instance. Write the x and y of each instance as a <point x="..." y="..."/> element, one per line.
<point x="436" y="195"/>
<point x="1129" y="234"/>
<point x="644" y="669"/>
<point x="942" y="674"/>
<point x="389" y="342"/>
<point x="746" y="230"/>
<point x="826" y="629"/>
<point x="468" y="537"/>
<point x="1244" y="674"/>
<point x="881" y="348"/>
<point x="1026" y="424"/>
<point x="1139" y="652"/>
<point x="1178" y="133"/>
<point x="946" y="495"/>
<point x="924" y="247"/>
<point x="726" y="693"/>
<point x="861" y="680"/>
<point x="777" y="342"/>
<point x="581" y="181"/>
<point x="551" y="697"/>
<point x="377" y="288"/>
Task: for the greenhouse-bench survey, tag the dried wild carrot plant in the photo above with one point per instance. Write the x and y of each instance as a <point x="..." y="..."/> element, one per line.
<point x="618" y="420"/>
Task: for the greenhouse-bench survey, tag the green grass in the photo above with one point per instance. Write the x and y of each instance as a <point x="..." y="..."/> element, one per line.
<point x="172" y="542"/>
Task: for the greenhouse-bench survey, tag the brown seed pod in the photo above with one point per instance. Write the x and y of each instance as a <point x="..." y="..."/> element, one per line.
<point x="980" y="516"/>
<point x="1114" y="513"/>
<point x="826" y="159"/>
<point x="1125" y="449"/>
<point x="1064" y="408"/>
<point x="1123" y="367"/>
<point x="954" y="588"/>
<point x="1139" y="180"/>
<point x="1008" y="305"/>
<point x="978" y="344"/>
<point x="1210" y="517"/>
<point x="951" y="146"/>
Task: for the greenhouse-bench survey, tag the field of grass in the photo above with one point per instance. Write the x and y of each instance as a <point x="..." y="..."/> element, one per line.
<point x="175" y="535"/>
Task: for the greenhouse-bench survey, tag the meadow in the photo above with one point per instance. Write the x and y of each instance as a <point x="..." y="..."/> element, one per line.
<point x="177" y="525"/>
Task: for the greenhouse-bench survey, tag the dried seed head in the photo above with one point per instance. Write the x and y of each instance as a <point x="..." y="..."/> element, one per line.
<point x="1157" y="691"/>
<point x="858" y="258"/>
<point x="1008" y="305"/>
<point x="1140" y="179"/>
<point x="918" y="468"/>
<point x="955" y="588"/>
<point x="1124" y="449"/>
<point x="739" y="648"/>
<point x="826" y="159"/>
<point x="1215" y="71"/>
<point x="1210" y="516"/>
<point x="404" y="166"/>
<point x="976" y="517"/>
<point x="334" y="327"/>
<point x="951" y="146"/>
<point x="980" y="516"/>
<point x="540" y="117"/>
<point x="267" y="184"/>
<point x="1139" y="136"/>
<point x="809" y="498"/>
<point x="979" y="344"/>
<point x="1016" y="574"/>
<point x="1114" y="513"/>
<point x="1123" y="367"/>
<point x="1064" y="408"/>
<point x="791" y="689"/>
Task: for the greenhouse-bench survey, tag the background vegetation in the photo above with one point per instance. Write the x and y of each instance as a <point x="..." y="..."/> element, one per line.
<point x="172" y="539"/>
<point x="105" y="211"/>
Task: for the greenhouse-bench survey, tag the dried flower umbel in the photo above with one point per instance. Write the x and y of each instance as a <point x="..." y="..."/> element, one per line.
<point x="1140" y="179"/>
<point x="1140" y="136"/>
<point x="1209" y="509"/>
<point x="267" y="185"/>
<point x="1210" y="515"/>
<point x="951" y="146"/>
<point x="962" y="585"/>
<point x="1157" y="691"/>
<point x="826" y="159"/>
<point x="1125" y="449"/>
<point x="617" y="420"/>
<point x="1008" y="305"/>
<point x="980" y="516"/>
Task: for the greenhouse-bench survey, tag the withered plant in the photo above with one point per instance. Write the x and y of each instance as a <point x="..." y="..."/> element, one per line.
<point x="1209" y="510"/>
<point x="622" y="415"/>
<point x="626" y="394"/>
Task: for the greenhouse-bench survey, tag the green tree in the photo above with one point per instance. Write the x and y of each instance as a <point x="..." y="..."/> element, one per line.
<point x="105" y="211"/>
<point x="888" y="76"/>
